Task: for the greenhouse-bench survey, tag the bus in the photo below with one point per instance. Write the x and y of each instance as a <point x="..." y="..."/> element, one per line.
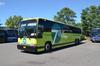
<point x="8" y="35"/>
<point x="39" y="34"/>
<point x="95" y="35"/>
<point x="2" y="36"/>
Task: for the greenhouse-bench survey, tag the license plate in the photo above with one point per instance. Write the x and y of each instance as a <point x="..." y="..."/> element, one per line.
<point x="24" y="47"/>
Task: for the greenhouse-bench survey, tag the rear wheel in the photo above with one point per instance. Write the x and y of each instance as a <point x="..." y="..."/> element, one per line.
<point x="48" y="47"/>
<point x="77" y="41"/>
<point x="93" y="41"/>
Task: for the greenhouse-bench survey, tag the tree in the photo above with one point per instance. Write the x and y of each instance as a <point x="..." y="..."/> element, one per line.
<point x="65" y="15"/>
<point x="79" y="25"/>
<point x="90" y="18"/>
<point x="12" y="21"/>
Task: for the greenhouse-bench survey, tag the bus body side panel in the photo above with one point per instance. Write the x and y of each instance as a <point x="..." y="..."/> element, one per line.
<point x="41" y="41"/>
<point x="56" y="34"/>
<point x="44" y="29"/>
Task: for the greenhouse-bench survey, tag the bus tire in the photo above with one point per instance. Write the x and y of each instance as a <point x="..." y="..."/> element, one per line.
<point x="77" y="41"/>
<point x="93" y="41"/>
<point x="48" y="47"/>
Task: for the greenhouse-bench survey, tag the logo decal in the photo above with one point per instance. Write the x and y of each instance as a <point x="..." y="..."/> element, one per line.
<point x="24" y="40"/>
<point x="56" y="33"/>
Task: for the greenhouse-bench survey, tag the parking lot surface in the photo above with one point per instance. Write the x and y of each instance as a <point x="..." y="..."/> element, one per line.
<point x="85" y="54"/>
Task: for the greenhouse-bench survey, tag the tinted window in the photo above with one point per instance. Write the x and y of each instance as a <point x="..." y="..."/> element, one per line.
<point x="75" y="30"/>
<point x="2" y="36"/>
<point x="45" y="25"/>
<point x="11" y="33"/>
<point x="66" y="29"/>
<point x="95" y="32"/>
<point x="2" y="33"/>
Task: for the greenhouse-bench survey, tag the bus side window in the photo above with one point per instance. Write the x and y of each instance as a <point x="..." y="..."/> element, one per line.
<point x="67" y="29"/>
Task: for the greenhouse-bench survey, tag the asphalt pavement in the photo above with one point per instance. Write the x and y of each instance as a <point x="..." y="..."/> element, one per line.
<point x="85" y="54"/>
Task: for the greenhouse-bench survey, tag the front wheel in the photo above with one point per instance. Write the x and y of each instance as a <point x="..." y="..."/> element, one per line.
<point x="48" y="47"/>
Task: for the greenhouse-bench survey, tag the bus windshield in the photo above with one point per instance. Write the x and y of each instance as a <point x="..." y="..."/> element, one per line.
<point x="27" y="29"/>
<point x="96" y="32"/>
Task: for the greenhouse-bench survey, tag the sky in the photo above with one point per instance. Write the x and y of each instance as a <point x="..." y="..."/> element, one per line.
<point x="41" y="8"/>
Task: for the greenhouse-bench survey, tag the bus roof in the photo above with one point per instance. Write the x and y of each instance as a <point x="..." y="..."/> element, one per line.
<point x="42" y="19"/>
<point x="5" y="28"/>
<point x="25" y="19"/>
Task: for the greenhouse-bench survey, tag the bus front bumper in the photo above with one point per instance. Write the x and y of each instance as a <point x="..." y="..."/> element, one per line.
<point x="27" y="48"/>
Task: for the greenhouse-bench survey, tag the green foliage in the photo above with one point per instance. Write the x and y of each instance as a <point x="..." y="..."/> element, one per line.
<point x="65" y="15"/>
<point x="12" y="21"/>
<point x="90" y="18"/>
<point x="79" y="25"/>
